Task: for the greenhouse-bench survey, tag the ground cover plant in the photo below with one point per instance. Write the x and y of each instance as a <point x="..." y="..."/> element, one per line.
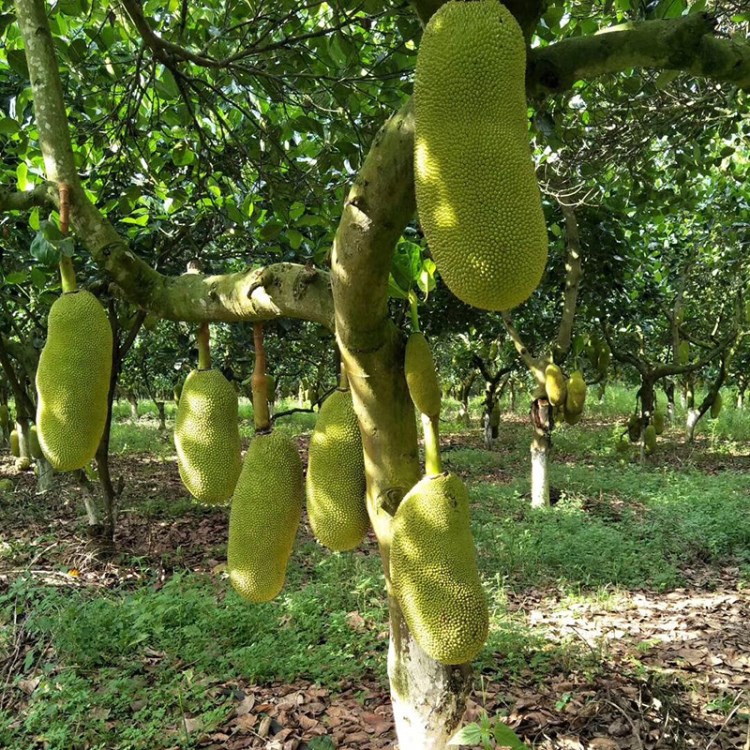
<point x="634" y="584"/>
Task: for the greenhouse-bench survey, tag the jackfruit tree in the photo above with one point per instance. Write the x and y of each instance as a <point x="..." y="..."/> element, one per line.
<point x="248" y="75"/>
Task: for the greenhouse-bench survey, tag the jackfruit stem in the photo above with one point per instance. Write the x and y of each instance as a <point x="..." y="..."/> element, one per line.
<point x="67" y="274"/>
<point x="203" y="340"/>
<point x="414" y="312"/>
<point x="343" y="379"/>
<point x="261" y="414"/>
<point x="433" y="464"/>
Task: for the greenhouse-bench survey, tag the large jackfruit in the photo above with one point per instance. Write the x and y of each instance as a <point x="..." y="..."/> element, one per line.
<point x="72" y="380"/>
<point x="554" y="385"/>
<point x="477" y="195"/>
<point x="658" y="422"/>
<point x="15" y="444"/>
<point x="266" y="511"/>
<point x="434" y="570"/>
<point x="207" y="436"/>
<point x="716" y="406"/>
<point x="649" y="439"/>
<point x="421" y="375"/>
<point x="576" y="394"/>
<point x="336" y="476"/>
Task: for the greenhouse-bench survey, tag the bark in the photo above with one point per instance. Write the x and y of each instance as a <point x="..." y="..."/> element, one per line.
<point x="542" y="423"/>
<point x="429" y="696"/>
<point x="161" y="411"/>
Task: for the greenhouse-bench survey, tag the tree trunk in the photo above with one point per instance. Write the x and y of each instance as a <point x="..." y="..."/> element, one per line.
<point x="133" y="401"/>
<point x="23" y="430"/>
<point x="541" y="445"/>
<point x="428" y="698"/>
<point x="691" y="422"/>
<point x="669" y="390"/>
<point x="45" y="476"/>
<point x="161" y="411"/>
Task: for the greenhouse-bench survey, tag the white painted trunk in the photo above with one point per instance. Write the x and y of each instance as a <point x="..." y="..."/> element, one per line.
<point x="693" y="415"/>
<point x="45" y="475"/>
<point x="740" y="400"/>
<point x="428" y="698"/>
<point x="670" y="412"/>
<point x="539" y="473"/>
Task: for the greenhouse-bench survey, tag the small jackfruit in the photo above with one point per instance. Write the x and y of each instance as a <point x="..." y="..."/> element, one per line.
<point x="266" y="511"/>
<point x="434" y="570"/>
<point x="683" y="352"/>
<point x="649" y="439"/>
<point x="6" y="486"/>
<point x="15" y="445"/>
<point x="554" y="384"/>
<point x="207" y="436"/>
<point x="576" y="394"/>
<point x="23" y="463"/>
<point x="604" y="358"/>
<point x="495" y="415"/>
<point x="336" y="476"/>
<point x="34" y="447"/>
<point x="72" y="380"/>
<point x="421" y="375"/>
<point x="658" y="422"/>
<point x="716" y="406"/>
<point x="477" y="194"/>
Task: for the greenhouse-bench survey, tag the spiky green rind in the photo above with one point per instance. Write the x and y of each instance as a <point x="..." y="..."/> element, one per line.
<point x="649" y="439"/>
<point x="434" y="570"/>
<point x="658" y="422"/>
<point x="15" y="445"/>
<point x="716" y="406"/>
<point x="554" y="385"/>
<point x="34" y="447"/>
<point x="634" y="428"/>
<point x="575" y="397"/>
<point x="477" y="194"/>
<point x="421" y="375"/>
<point x="266" y="511"/>
<point x="336" y="476"/>
<point x="495" y="415"/>
<point x="207" y="436"/>
<point x="72" y="380"/>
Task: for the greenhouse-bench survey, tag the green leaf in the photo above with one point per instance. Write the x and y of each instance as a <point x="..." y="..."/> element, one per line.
<point x="17" y="277"/>
<point x="471" y="734"/>
<point x="182" y="155"/>
<point x="43" y="250"/>
<point x="8" y="126"/>
<point x="506" y="737"/>
<point x="22" y="176"/>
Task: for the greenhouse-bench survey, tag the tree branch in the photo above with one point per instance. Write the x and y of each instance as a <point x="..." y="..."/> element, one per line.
<point x="683" y="44"/>
<point x="534" y="365"/>
<point x="41" y="195"/>
<point x="280" y="290"/>
<point x="572" y="280"/>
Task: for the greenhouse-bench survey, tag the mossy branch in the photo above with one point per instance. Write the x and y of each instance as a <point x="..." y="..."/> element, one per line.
<point x="282" y="290"/>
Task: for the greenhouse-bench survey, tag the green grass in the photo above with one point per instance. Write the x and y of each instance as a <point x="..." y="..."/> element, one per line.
<point x="121" y="668"/>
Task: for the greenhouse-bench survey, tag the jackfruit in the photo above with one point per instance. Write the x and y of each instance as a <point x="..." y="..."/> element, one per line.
<point x="477" y="195"/>
<point x="658" y="422"/>
<point x="336" y="476"/>
<point x="716" y="406"/>
<point x="649" y="439"/>
<point x="634" y="428"/>
<point x="23" y="463"/>
<point x="434" y="570"/>
<point x="72" y="380"/>
<point x="266" y="511"/>
<point x="495" y="415"/>
<point x="554" y="384"/>
<point x="421" y="376"/>
<point x="34" y="447"/>
<point x="576" y="395"/>
<point x="572" y="417"/>
<point x="6" y="486"/>
<point x="683" y="352"/>
<point x="207" y="436"/>
<point x="603" y="360"/>
<point x="15" y="445"/>
<point x="4" y="418"/>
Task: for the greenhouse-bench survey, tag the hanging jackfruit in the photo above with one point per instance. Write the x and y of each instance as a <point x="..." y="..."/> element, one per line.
<point x="266" y="511"/>
<point x="634" y="428"/>
<point x="34" y="447"/>
<point x="15" y="445"/>
<point x="477" y="195"/>
<point x="604" y="358"/>
<point x="683" y="352"/>
<point x="495" y="415"/>
<point x="434" y="570"/>
<point x="649" y="439"/>
<point x="336" y="476"/>
<point x="554" y="385"/>
<point x="207" y="436"/>
<point x="421" y="375"/>
<point x="716" y="406"/>
<point x="72" y="380"/>
<point x="576" y="395"/>
<point x="658" y="422"/>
